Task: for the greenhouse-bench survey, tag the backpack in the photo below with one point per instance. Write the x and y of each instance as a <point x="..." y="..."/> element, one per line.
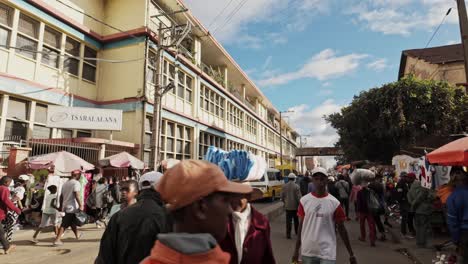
<point x="373" y="203"/>
<point x="107" y="197"/>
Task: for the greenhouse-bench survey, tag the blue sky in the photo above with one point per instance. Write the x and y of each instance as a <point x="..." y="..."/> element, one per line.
<point x="312" y="56"/>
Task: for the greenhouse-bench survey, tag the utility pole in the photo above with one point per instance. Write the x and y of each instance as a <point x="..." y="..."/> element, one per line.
<point x="463" y="18"/>
<point x="174" y="35"/>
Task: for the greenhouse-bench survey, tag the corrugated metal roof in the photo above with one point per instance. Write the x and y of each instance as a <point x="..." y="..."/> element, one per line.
<point x="438" y="55"/>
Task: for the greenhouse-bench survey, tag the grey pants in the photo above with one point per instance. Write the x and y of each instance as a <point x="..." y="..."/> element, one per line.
<point x="423" y="229"/>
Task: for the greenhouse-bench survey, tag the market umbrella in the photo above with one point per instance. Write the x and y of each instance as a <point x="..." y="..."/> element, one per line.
<point x="454" y="153"/>
<point x="63" y="161"/>
<point x="122" y="160"/>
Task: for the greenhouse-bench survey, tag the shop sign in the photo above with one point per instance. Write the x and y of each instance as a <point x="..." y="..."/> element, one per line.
<point x="84" y="118"/>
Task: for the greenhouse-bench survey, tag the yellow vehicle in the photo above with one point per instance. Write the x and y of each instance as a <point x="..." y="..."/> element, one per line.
<point x="286" y="169"/>
<point x="270" y="184"/>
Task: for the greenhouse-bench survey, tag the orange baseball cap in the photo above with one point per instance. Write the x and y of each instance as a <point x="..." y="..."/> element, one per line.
<point x="191" y="180"/>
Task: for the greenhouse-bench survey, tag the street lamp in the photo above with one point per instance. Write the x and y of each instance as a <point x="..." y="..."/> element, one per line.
<point x="281" y="136"/>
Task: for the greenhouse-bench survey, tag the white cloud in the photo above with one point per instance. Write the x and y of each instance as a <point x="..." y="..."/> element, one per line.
<point x="401" y="17"/>
<point x="322" y="66"/>
<point x="378" y="65"/>
<point x="326" y="84"/>
<point x="309" y="121"/>
<point x="325" y="92"/>
<point x="231" y="26"/>
<point x="267" y="62"/>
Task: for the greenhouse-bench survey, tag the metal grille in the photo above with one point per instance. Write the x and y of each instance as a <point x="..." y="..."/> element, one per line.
<point x="88" y="152"/>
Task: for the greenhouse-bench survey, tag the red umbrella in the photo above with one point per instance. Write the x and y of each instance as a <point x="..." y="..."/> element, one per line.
<point x="454" y="153"/>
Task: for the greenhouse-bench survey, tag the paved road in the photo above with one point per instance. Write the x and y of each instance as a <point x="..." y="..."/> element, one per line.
<point x="384" y="253"/>
<point x="85" y="250"/>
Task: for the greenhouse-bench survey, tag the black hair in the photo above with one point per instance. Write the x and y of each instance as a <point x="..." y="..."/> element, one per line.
<point x="5" y="179"/>
<point x="145" y="184"/>
<point x="131" y="183"/>
<point x="102" y="180"/>
<point x="341" y="177"/>
<point x="51" y="188"/>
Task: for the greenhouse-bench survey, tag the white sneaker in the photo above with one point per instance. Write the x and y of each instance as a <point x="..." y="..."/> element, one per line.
<point x="34" y="240"/>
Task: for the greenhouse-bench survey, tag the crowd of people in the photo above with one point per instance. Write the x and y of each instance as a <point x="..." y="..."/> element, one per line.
<point x="193" y="214"/>
<point x="372" y="199"/>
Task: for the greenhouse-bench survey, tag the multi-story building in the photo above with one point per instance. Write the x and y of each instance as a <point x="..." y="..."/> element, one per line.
<point x="101" y="54"/>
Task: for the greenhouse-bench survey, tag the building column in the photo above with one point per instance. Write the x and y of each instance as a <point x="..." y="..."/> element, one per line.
<point x="243" y="91"/>
<point x="196" y="97"/>
<point x="32" y="115"/>
<point x="102" y="151"/>
<point x="225" y="71"/>
<point x="196" y="142"/>
<point x="14" y="33"/>
<point x="4" y="106"/>
<point x="39" y="55"/>
<point x="197" y="48"/>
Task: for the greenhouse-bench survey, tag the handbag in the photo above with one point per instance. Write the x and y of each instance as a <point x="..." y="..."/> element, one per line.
<point x="81" y="218"/>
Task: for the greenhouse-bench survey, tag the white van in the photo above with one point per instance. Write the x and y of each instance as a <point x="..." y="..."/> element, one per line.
<point x="270" y="184"/>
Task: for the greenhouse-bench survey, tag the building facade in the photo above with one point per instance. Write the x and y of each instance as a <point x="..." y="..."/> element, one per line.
<point x="101" y="54"/>
<point x="444" y="63"/>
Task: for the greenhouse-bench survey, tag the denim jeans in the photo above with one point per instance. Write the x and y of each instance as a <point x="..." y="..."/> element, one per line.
<point x="316" y="260"/>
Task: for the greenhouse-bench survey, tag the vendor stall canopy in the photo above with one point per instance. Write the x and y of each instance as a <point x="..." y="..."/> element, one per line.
<point x="454" y="153"/>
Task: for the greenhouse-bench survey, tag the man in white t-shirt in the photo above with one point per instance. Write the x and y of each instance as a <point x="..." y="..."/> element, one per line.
<point x="319" y="213"/>
<point x="70" y="203"/>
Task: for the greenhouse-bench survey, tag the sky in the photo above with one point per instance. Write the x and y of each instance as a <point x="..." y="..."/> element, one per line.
<point x="313" y="56"/>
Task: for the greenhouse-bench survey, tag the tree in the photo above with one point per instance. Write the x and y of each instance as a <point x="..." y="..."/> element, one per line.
<point x="382" y="121"/>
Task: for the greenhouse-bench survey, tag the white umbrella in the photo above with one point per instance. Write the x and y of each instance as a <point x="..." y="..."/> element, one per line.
<point x="63" y="161"/>
<point x="122" y="160"/>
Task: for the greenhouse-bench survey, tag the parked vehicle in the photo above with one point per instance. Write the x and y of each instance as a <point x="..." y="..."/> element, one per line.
<point x="270" y="184"/>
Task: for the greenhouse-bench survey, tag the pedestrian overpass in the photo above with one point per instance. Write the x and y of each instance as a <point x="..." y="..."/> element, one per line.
<point x="321" y="151"/>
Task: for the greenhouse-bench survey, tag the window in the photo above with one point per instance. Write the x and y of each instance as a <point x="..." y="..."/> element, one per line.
<point x="271" y="138"/>
<point x="184" y="86"/>
<point x="89" y="65"/>
<point x="6" y="18"/>
<point x="251" y="125"/>
<point x="51" y="47"/>
<point x="28" y="33"/>
<point x="81" y="133"/>
<point x="67" y="133"/>
<point x="17" y="109"/>
<point x="41" y="132"/>
<point x="152" y="67"/>
<point x="211" y="102"/>
<point x="168" y="74"/>
<point x="176" y="141"/>
<point x="41" y="114"/>
<point x="235" y="116"/>
<point x="232" y="145"/>
<point x="207" y="140"/>
<point x="251" y="149"/>
<point x="72" y="49"/>
<point x="15" y="129"/>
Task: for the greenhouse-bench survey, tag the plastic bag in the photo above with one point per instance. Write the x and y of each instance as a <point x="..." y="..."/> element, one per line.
<point x="81" y="218"/>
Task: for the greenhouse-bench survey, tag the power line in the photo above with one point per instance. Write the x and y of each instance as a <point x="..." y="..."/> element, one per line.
<point x="95" y="19"/>
<point x="220" y="13"/>
<point x="432" y="37"/>
<point x="70" y="56"/>
<point x="232" y="14"/>
<point x="438" y="27"/>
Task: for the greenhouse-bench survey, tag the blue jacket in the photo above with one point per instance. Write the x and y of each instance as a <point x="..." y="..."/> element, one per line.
<point x="457" y="212"/>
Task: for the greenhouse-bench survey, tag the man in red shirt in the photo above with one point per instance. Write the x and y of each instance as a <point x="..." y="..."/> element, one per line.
<point x="5" y="205"/>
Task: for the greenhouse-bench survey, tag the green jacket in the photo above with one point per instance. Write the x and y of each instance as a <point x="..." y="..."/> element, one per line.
<point x="420" y="199"/>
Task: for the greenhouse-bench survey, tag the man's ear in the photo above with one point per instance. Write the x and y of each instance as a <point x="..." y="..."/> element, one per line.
<point x="199" y="209"/>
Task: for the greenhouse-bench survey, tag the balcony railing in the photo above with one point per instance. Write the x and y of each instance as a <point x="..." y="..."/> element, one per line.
<point x="216" y="74"/>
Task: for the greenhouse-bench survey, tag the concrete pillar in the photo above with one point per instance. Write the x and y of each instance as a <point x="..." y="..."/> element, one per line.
<point x="32" y="115"/>
<point x="196" y="97"/>
<point x="4" y="106"/>
<point x="197" y="49"/>
<point x="39" y="55"/>
<point x="13" y="35"/>
<point x="243" y="91"/>
<point x="196" y="142"/>
<point x="102" y="151"/>
<point x="226" y="81"/>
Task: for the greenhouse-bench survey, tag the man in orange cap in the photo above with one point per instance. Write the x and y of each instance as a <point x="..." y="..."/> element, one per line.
<point x="198" y="196"/>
